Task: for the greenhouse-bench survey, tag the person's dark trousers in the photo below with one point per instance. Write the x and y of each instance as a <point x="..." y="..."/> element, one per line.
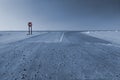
<point x="30" y="31"/>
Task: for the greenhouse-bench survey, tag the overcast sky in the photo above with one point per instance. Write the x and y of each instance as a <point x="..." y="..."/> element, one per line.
<point x="60" y="14"/>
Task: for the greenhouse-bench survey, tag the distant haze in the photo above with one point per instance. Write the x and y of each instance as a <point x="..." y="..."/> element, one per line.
<point x="60" y="14"/>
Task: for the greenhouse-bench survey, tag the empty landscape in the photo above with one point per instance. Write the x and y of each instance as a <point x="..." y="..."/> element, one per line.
<point x="70" y="55"/>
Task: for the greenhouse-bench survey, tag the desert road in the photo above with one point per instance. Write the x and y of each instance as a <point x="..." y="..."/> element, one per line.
<point x="60" y="56"/>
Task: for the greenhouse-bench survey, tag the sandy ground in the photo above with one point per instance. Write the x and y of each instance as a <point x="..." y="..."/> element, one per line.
<point x="60" y="56"/>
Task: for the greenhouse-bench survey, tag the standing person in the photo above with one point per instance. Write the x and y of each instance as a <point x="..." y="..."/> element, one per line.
<point x="30" y="28"/>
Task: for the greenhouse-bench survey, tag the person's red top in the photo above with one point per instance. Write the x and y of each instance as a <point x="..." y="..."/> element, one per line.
<point x="30" y="24"/>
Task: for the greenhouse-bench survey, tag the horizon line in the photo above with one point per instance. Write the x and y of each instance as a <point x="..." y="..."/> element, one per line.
<point x="53" y="30"/>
